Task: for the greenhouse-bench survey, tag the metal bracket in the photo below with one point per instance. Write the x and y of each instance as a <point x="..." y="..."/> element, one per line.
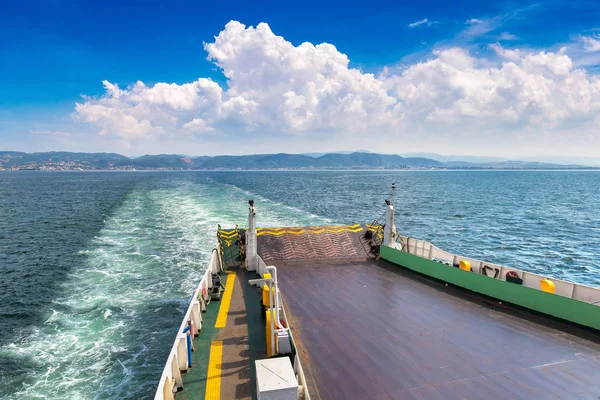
<point x="259" y="281"/>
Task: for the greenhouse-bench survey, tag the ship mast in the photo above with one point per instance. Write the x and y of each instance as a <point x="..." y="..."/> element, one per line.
<point x="389" y="230"/>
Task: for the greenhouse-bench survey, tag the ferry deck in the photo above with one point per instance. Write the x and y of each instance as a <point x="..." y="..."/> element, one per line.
<point x="366" y="328"/>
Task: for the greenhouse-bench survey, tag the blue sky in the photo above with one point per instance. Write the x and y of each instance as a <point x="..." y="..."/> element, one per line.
<point x="54" y="52"/>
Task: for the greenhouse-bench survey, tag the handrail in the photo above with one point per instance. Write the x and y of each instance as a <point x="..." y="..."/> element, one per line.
<point x="424" y="249"/>
<point x="170" y="379"/>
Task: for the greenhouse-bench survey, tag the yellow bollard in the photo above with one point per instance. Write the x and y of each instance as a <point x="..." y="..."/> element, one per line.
<point x="266" y="293"/>
<point x="547" y="285"/>
<point x="270" y="335"/>
<point x="465" y="265"/>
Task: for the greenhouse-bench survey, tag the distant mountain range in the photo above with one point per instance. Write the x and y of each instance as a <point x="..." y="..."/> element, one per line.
<point x="483" y="160"/>
<point x="11" y="160"/>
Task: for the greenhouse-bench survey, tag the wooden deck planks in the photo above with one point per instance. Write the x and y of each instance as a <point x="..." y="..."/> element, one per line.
<point x="372" y="330"/>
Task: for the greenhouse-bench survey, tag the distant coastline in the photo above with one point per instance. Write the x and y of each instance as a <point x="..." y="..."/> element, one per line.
<point x="68" y="161"/>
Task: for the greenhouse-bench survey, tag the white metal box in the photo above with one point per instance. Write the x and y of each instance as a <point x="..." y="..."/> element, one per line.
<point x="283" y="342"/>
<point x="275" y="379"/>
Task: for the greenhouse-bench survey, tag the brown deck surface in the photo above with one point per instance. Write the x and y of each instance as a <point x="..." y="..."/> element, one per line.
<point x="371" y="330"/>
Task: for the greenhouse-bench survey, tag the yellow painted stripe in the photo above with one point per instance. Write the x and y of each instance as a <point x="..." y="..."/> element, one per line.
<point x="213" y="378"/>
<point x="228" y="235"/>
<point x="225" y="301"/>
<point x="313" y="230"/>
<point x="354" y="230"/>
<point x="271" y="233"/>
<point x="371" y="226"/>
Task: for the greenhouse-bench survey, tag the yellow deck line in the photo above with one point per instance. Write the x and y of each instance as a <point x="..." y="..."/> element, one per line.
<point x="354" y="230"/>
<point x="279" y="233"/>
<point x="225" y="301"/>
<point x="213" y="376"/>
<point x="312" y="230"/>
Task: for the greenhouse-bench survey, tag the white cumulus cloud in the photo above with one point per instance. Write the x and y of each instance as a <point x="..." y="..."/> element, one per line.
<point x="275" y="88"/>
<point x="513" y="55"/>
<point x="540" y="89"/>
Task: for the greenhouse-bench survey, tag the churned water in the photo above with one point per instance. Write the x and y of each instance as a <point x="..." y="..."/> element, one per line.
<point x="96" y="269"/>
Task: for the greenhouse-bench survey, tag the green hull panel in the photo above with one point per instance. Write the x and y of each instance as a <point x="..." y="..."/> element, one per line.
<point x="557" y="306"/>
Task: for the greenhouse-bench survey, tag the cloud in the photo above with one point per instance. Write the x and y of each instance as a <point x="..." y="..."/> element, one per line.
<point x="505" y="36"/>
<point x="198" y="125"/>
<point x="118" y="118"/>
<point x="273" y="86"/>
<point x="278" y="90"/>
<point x="50" y="133"/>
<point x="424" y="21"/>
<point x="531" y="89"/>
<point x="477" y="27"/>
<point x="590" y="43"/>
<point x="513" y="55"/>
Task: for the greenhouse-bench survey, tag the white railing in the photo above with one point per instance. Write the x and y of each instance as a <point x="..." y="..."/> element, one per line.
<point x="572" y="290"/>
<point x="303" y="393"/>
<point x="178" y="360"/>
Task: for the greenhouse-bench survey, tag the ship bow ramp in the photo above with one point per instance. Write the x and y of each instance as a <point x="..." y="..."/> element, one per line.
<point x="316" y="244"/>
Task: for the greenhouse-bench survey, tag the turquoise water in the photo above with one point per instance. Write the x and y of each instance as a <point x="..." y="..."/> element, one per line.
<point x="96" y="269"/>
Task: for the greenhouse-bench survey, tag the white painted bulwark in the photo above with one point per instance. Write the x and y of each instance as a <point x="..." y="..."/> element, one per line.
<point x="389" y="231"/>
<point x="575" y="291"/>
<point x="251" y="241"/>
<point x="178" y="357"/>
<point x="275" y="379"/>
<point x="196" y="316"/>
<point x="261" y="266"/>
